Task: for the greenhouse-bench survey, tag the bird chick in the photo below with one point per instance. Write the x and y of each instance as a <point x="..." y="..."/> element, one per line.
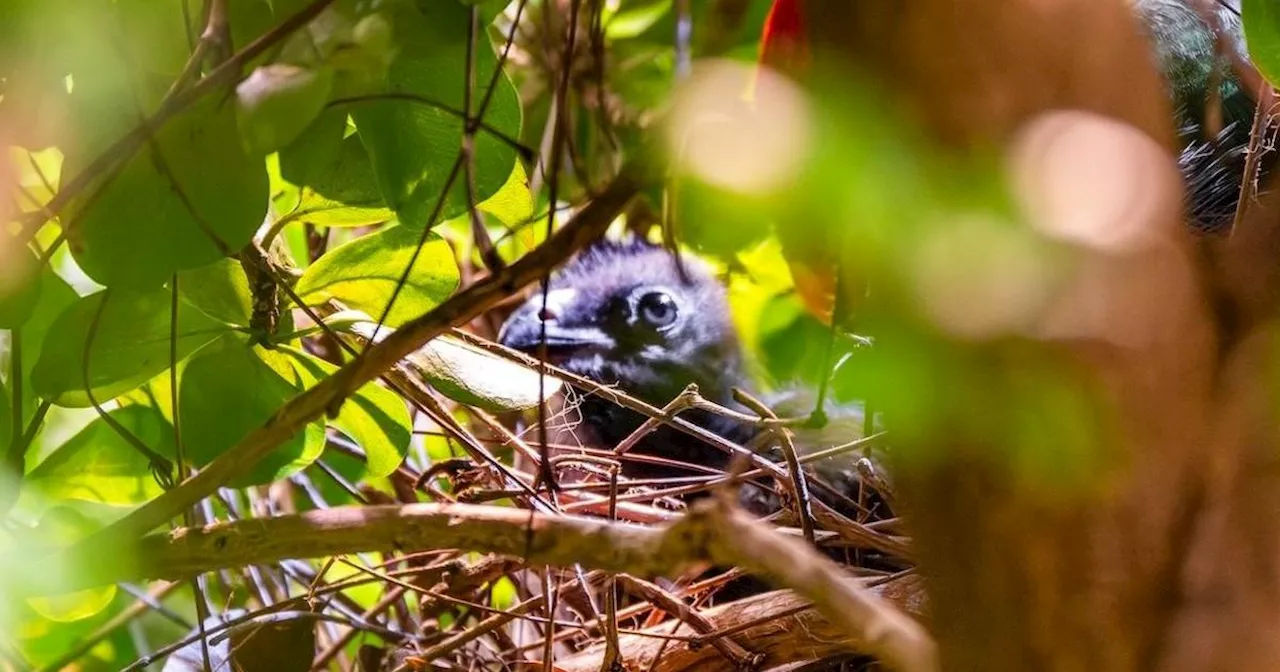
<point x="626" y="314"/>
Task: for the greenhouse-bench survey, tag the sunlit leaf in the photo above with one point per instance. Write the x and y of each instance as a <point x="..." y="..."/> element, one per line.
<point x="130" y="345"/>
<point x="363" y="274"/>
<point x="513" y="204"/>
<point x="188" y="199"/>
<point x="373" y="417"/>
<point x="414" y="144"/>
<point x="219" y="290"/>
<point x="226" y="392"/>
<point x="100" y="465"/>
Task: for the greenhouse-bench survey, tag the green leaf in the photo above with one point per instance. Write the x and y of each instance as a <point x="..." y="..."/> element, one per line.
<point x="276" y="102"/>
<point x="130" y="346"/>
<point x="363" y="274"/>
<point x="1261" y="20"/>
<point x="227" y="391"/>
<point x="349" y="178"/>
<point x="339" y="187"/>
<point x="320" y="211"/>
<point x="373" y="417"/>
<point x="99" y="465"/>
<point x="19" y="287"/>
<point x="316" y="159"/>
<point x="414" y="145"/>
<point x="219" y="290"/>
<point x="162" y="212"/>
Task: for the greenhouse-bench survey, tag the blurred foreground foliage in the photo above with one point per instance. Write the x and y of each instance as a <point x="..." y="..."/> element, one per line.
<point x="135" y="340"/>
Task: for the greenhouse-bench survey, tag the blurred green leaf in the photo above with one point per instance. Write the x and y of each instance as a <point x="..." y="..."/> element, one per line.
<point x="412" y="144"/>
<point x="248" y="20"/>
<point x="63" y="525"/>
<point x="634" y="18"/>
<point x="363" y="274"/>
<point x="227" y="391"/>
<point x="130" y="346"/>
<point x="99" y="465"/>
<point x="219" y="290"/>
<point x="121" y="54"/>
<point x="373" y="417"/>
<point x="716" y="221"/>
<point x="276" y="102"/>
<point x="793" y="343"/>
<point x="1261" y="20"/>
<point x="19" y="288"/>
<point x="55" y="296"/>
<point x="6" y="428"/>
<point x="162" y="212"/>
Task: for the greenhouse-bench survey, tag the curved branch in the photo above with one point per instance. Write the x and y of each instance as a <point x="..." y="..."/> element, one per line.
<point x="712" y="531"/>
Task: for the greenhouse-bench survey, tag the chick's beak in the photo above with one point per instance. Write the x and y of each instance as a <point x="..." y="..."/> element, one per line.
<point x="527" y="326"/>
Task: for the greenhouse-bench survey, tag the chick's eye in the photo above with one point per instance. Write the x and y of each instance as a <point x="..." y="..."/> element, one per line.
<point x="657" y="309"/>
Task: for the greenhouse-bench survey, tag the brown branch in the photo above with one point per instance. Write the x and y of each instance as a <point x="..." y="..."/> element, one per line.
<point x="711" y="532"/>
<point x="587" y="226"/>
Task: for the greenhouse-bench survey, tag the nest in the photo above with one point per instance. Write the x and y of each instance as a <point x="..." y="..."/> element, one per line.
<point x="673" y="613"/>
